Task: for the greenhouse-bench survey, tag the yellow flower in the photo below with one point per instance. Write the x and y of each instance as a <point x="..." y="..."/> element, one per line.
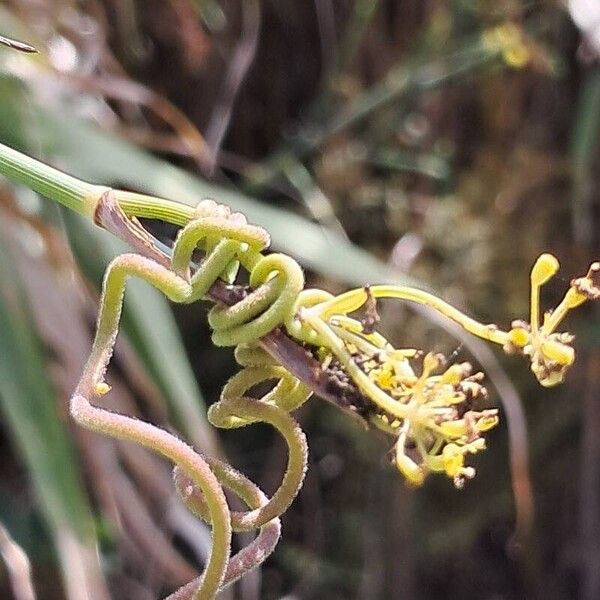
<point x="413" y="473"/>
<point x="508" y="39"/>
<point x="453" y="460"/>
<point x="550" y="351"/>
<point x="428" y="409"/>
<point x="440" y="428"/>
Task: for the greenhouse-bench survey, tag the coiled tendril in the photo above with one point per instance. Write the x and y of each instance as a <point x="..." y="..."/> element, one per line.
<point x="227" y="241"/>
<point x="430" y="415"/>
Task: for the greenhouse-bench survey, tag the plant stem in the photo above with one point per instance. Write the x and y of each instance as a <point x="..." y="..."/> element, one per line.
<point x="152" y="207"/>
<point x="47" y="181"/>
<point x="83" y="197"/>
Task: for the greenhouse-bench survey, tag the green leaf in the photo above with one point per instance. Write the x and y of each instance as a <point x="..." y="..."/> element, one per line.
<point x="148" y="320"/>
<point x="29" y="403"/>
<point x="584" y="147"/>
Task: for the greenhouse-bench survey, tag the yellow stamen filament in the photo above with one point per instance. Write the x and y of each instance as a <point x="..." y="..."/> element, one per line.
<point x="355" y="299"/>
<point x="543" y="270"/>
<point x="363" y="382"/>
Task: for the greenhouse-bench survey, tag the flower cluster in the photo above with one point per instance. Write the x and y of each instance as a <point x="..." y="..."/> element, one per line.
<point x="432" y="410"/>
<point x="442" y="426"/>
<point x="551" y="352"/>
<point x="432" y="414"/>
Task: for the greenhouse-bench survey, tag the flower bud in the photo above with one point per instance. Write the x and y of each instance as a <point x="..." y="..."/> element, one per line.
<point x="545" y="268"/>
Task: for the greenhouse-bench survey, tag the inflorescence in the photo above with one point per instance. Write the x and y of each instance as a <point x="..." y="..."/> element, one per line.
<point x="431" y="409"/>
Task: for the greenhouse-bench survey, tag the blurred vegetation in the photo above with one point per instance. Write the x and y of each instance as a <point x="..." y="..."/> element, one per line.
<point x="443" y="142"/>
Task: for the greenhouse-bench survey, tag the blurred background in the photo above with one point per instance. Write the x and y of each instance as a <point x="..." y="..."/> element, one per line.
<point x="442" y="143"/>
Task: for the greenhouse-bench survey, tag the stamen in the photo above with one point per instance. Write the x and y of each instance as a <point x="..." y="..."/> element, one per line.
<point x="543" y="270"/>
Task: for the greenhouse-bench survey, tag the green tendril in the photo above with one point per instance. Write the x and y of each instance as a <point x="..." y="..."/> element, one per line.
<point x="226" y="239"/>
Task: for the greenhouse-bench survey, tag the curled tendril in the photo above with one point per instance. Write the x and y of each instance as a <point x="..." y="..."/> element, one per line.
<point x="227" y="241"/>
<point x="251" y="555"/>
<point x="429" y="409"/>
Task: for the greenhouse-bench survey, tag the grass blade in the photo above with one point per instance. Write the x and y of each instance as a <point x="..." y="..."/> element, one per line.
<point x="28" y="403"/>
